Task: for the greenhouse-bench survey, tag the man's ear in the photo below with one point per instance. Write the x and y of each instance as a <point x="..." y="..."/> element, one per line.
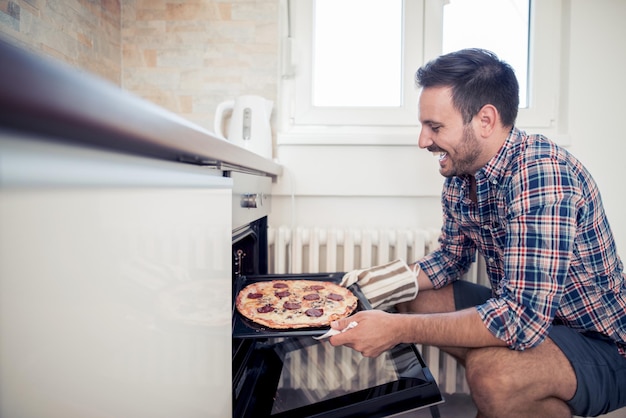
<point x="487" y="118"/>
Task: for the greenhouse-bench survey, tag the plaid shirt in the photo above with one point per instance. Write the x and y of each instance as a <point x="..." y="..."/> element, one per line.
<point x="540" y="225"/>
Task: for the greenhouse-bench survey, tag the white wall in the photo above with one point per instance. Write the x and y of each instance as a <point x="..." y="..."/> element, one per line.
<point x="357" y="186"/>
<point x="398" y="186"/>
<point x="596" y="100"/>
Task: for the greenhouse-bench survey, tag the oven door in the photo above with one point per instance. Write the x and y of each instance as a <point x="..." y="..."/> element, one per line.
<point x="291" y="374"/>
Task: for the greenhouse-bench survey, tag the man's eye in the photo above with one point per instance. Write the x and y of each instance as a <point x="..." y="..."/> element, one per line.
<point x="435" y="128"/>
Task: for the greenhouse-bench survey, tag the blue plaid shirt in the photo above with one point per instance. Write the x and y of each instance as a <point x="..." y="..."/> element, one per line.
<point x="549" y="250"/>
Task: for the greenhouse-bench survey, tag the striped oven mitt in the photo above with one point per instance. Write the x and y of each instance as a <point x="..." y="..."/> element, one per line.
<point x="386" y="285"/>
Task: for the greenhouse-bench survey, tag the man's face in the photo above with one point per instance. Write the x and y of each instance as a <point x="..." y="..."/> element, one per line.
<point x="443" y="132"/>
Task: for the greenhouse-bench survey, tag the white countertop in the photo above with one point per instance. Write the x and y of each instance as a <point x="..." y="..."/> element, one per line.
<point x="43" y="96"/>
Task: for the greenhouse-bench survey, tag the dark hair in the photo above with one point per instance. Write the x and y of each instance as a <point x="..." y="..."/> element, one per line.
<point x="477" y="78"/>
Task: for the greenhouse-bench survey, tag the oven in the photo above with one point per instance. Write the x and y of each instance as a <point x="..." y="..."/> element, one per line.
<point x="290" y="374"/>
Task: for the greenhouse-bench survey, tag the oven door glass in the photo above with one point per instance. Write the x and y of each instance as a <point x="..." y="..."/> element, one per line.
<point x="304" y="377"/>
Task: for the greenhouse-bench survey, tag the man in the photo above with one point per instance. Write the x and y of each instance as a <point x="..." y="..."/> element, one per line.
<point x="549" y="338"/>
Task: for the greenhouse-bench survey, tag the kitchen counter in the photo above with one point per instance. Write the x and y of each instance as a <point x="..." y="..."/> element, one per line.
<point x="49" y="98"/>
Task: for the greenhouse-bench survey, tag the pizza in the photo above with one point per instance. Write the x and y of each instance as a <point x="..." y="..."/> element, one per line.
<point x="288" y="304"/>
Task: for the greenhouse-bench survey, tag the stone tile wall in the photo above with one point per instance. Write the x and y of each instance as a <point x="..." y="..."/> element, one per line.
<point x="184" y="55"/>
<point x="82" y="33"/>
<point x="188" y="56"/>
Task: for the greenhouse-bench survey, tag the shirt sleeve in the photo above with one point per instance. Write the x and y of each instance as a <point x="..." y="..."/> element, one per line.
<point x="544" y="201"/>
<point x="455" y="254"/>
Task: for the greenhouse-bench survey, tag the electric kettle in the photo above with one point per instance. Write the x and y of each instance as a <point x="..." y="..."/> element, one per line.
<point x="249" y="124"/>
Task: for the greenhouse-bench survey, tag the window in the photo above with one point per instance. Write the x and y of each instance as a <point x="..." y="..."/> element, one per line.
<point x="369" y="75"/>
<point x="349" y="65"/>
<point x="466" y="25"/>
<point x="354" y="62"/>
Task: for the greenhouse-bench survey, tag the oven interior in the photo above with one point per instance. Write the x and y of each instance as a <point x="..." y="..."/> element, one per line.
<point x="250" y="249"/>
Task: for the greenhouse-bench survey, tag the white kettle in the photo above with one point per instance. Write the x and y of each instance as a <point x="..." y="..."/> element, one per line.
<point x="249" y="125"/>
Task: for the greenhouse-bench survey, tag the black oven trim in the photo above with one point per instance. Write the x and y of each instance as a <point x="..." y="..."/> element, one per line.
<point x="253" y="237"/>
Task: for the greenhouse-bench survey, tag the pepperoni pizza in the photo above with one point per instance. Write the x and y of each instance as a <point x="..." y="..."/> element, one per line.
<point x="287" y="304"/>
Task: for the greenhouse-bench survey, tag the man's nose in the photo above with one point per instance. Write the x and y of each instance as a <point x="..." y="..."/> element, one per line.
<point x="424" y="140"/>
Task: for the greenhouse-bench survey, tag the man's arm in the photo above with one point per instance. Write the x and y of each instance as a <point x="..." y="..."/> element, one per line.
<point x="378" y="331"/>
<point x="462" y="328"/>
<point x="423" y="282"/>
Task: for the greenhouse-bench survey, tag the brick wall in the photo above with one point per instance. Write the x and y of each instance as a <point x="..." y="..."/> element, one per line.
<point x="83" y="33"/>
<point x="184" y="55"/>
<point x="188" y="56"/>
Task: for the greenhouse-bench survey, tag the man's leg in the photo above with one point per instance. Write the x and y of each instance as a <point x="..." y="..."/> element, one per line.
<point x="569" y="372"/>
<point x="536" y="382"/>
<point x="504" y="382"/>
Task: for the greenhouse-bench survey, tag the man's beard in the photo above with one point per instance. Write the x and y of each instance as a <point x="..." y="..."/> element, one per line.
<point x="465" y="155"/>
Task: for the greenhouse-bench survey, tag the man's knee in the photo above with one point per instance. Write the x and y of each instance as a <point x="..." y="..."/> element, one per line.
<point x="491" y="383"/>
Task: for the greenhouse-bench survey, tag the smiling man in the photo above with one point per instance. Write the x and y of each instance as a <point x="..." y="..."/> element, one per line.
<point x="548" y="338"/>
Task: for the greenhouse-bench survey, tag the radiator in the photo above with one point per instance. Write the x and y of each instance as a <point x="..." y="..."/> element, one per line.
<point x="322" y="250"/>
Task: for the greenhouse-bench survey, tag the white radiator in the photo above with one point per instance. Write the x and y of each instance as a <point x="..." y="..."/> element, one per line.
<point x="323" y="250"/>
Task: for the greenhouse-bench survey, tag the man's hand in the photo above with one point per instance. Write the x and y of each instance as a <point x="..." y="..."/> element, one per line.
<point x="377" y="332"/>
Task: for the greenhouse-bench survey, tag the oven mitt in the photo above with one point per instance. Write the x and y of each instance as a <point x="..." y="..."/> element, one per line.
<point x="386" y="285"/>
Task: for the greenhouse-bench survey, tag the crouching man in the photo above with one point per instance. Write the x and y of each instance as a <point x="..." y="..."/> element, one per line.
<point x="548" y="338"/>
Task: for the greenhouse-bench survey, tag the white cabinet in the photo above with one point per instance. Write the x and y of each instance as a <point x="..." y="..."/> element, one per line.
<point x="115" y="285"/>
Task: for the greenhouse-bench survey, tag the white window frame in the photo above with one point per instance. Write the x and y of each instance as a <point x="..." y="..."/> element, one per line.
<point x="300" y="123"/>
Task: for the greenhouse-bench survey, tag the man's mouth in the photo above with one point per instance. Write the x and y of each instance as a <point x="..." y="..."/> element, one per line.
<point x="442" y="156"/>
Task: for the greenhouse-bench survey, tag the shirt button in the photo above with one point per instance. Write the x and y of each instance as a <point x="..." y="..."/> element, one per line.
<point x="494" y="181"/>
<point x="486" y="227"/>
<point x="491" y="260"/>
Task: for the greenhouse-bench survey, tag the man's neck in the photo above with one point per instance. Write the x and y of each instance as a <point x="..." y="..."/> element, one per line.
<point x="473" y="195"/>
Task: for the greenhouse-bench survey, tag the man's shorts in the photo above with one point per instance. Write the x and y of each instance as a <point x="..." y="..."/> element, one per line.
<point x="600" y="369"/>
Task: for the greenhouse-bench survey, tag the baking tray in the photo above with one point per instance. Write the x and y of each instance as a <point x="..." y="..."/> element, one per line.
<point x="245" y="328"/>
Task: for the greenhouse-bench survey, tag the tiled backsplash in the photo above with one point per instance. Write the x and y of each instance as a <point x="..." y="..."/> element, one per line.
<point x="85" y="34"/>
<point x="188" y="56"/>
<point x="184" y="55"/>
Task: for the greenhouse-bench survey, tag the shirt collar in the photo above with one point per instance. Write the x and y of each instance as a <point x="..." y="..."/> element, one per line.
<point x="497" y="167"/>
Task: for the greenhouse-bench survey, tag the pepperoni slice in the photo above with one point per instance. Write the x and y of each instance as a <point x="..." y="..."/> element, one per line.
<point x="315" y="312"/>
<point x="334" y="296"/>
<point x="292" y="305"/>
<point x="317" y="287"/>
<point x="280" y="285"/>
<point x="283" y="294"/>
<point x="311" y="296"/>
<point x="265" y="309"/>
<point x="255" y="295"/>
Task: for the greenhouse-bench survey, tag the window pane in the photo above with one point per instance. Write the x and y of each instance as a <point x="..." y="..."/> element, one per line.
<point x="501" y="26"/>
<point x="357" y="53"/>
